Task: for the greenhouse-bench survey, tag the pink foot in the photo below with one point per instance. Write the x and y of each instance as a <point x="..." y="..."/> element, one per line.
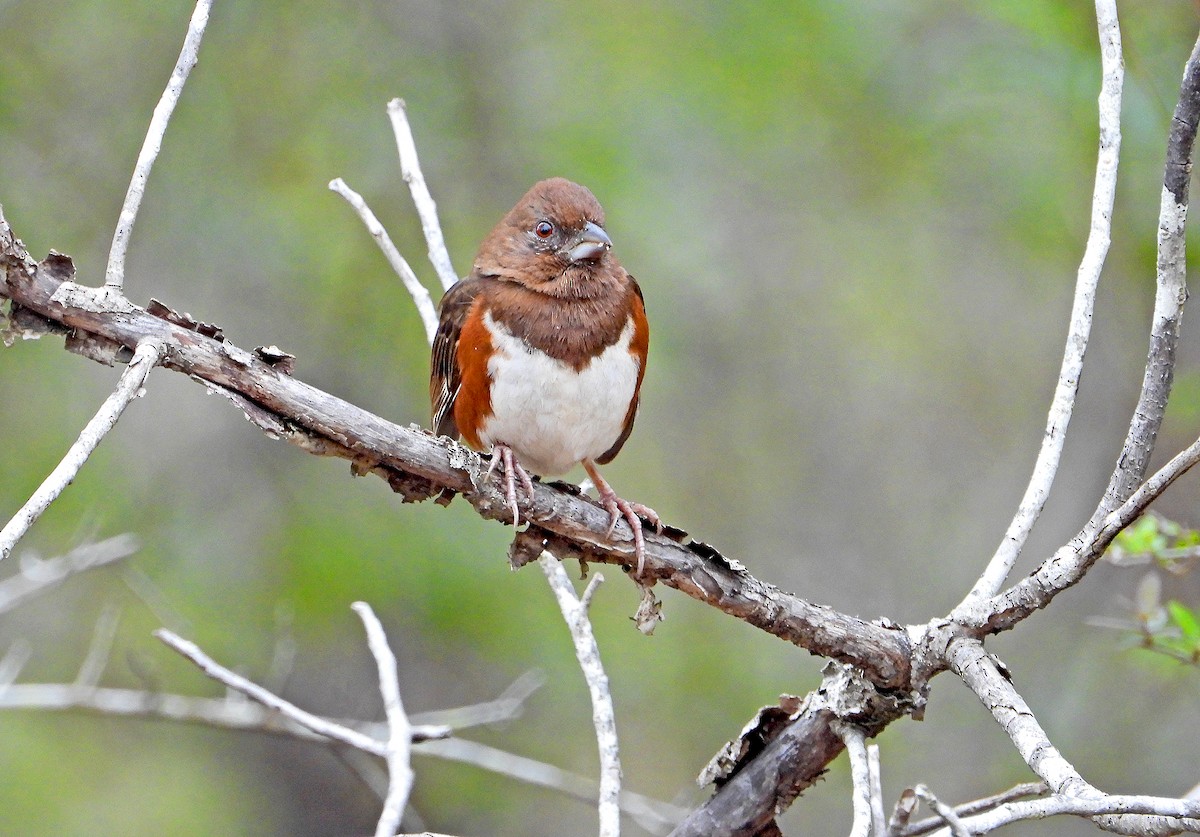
<point x="502" y="456"/>
<point x="633" y="513"/>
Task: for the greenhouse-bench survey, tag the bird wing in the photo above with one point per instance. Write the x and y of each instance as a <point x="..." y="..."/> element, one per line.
<point x="445" y="376"/>
<point x="639" y="346"/>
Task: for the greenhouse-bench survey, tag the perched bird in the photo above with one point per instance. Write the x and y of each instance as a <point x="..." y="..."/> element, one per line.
<point x="540" y="351"/>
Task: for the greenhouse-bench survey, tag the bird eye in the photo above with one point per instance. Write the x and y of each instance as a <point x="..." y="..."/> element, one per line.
<point x="543" y="229"/>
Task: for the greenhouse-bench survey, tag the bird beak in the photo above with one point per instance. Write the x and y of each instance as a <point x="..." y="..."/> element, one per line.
<point x="592" y="243"/>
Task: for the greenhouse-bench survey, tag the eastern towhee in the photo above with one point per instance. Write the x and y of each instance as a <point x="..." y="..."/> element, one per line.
<point x="540" y="352"/>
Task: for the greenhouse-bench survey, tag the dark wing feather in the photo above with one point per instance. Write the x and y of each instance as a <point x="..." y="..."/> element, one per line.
<point x="444" y="374"/>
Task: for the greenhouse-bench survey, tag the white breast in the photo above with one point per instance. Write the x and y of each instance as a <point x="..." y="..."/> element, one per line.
<point x="550" y="415"/>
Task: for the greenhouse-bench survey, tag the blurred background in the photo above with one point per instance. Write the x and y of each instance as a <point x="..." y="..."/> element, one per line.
<point x="857" y="227"/>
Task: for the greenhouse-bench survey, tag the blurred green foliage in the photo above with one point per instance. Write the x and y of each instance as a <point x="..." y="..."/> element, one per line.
<point x="857" y="226"/>
<point x="1171" y="628"/>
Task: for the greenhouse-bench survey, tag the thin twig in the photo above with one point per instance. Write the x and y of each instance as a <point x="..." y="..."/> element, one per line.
<point x="233" y="712"/>
<point x="128" y="388"/>
<point x="283" y="655"/>
<point x="654" y="816"/>
<point x="506" y="706"/>
<point x="230" y="712"/>
<point x="412" y="284"/>
<point x="1088" y="278"/>
<point x="410" y="170"/>
<point x="236" y="713"/>
<point x="114" y="274"/>
<point x="957" y="829"/>
<point x="878" y="818"/>
<point x="100" y="648"/>
<point x="1169" y="296"/>
<point x="587" y="652"/>
<point x="14" y="660"/>
<point x="860" y="776"/>
<point x="317" y="724"/>
<point x="1069" y="564"/>
<point x="976" y="806"/>
<point x="1184" y="813"/>
<point x="37" y="575"/>
<point x="399" y="745"/>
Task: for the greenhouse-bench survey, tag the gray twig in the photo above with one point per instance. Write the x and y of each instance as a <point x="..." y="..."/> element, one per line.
<point x="977" y="806"/>
<point x="860" y="776"/>
<point x="101" y="647"/>
<point x="654" y="816"/>
<point x="14" y="660"/>
<point x="114" y="274"/>
<point x="1088" y="278"/>
<point x="878" y="818"/>
<point x="587" y="652"/>
<point x="128" y="388"/>
<point x="37" y="575"/>
<point x="315" y="723"/>
<point x="957" y="829"/>
<point x="410" y="170"/>
<point x="399" y="745"/>
<point x="412" y="284"/>
<point x="1169" y="296"/>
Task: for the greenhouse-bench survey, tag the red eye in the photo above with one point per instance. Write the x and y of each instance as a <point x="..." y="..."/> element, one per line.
<point x="543" y="229"/>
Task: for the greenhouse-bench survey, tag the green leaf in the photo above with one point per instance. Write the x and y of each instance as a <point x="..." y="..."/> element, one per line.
<point x="1141" y="537"/>
<point x="1186" y="620"/>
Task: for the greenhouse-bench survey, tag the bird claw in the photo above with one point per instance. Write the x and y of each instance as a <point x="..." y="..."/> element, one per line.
<point x="633" y="514"/>
<point x="502" y="456"/>
<point x="649" y="515"/>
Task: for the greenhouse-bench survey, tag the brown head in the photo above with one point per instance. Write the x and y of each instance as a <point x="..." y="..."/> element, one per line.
<point x="552" y="241"/>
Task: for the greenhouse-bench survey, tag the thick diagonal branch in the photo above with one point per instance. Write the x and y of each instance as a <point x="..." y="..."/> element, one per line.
<point x="420" y="467"/>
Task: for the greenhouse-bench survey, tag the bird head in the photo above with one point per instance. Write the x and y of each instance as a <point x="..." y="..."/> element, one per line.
<point x="552" y="241"/>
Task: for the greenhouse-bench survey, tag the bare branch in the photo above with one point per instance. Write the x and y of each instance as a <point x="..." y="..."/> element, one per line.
<point x="1099" y="237"/>
<point x="508" y="705"/>
<point x="957" y="828"/>
<point x="1169" y="297"/>
<point x="860" y="776"/>
<point x="128" y="388"/>
<point x="410" y="170"/>
<point x="101" y="647"/>
<point x="878" y="818"/>
<point x="985" y="676"/>
<point x="37" y="575"/>
<point x="795" y="757"/>
<point x="1069" y="564"/>
<point x="114" y="274"/>
<point x="399" y="745"/>
<point x="421" y="467"/>
<point x="420" y="296"/>
<point x="232" y="712"/>
<point x="974" y="807"/>
<point x="317" y="724"/>
<point x="656" y="817"/>
<point x="1155" y="813"/>
<point x="587" y="652"/>
<point x="982" y="674"/>
<point x="14" y="660"/>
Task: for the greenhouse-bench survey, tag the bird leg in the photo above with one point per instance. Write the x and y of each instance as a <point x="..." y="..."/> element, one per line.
<point x="502" y="455"/>
<point x="631" y="512"/>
